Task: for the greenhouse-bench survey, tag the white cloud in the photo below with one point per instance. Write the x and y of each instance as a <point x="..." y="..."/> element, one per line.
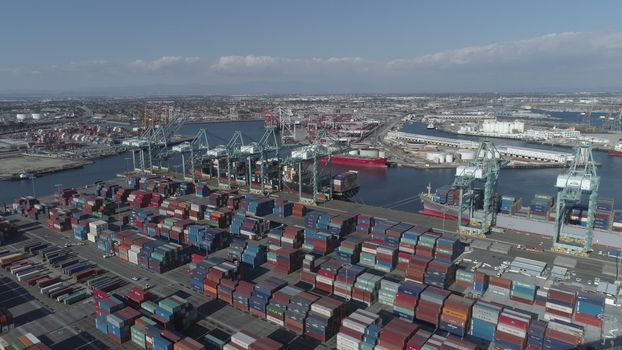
<point x="162" y="62"/>
<point x="565" y="45"/>
<point x="234" y="63"/>
<point x="567" y="59"/>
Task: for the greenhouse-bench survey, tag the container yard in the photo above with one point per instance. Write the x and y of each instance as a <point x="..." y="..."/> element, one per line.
<point x="197" y="271"/>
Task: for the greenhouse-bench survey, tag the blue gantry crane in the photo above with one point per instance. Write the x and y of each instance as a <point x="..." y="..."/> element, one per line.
<point x="580" y="179"/>
<point x="484" y="170"/>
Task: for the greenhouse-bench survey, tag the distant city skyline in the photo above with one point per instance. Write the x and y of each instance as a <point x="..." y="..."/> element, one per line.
<point x="238" y="47"/>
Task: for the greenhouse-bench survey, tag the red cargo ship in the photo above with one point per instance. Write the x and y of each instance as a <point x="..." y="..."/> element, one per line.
<point x="358" y="161"/>
<point x="617" y="150"/>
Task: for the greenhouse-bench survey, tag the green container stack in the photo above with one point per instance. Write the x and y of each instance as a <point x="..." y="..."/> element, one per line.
<point x="522" y="291"/>
<point x="388" y="290"/>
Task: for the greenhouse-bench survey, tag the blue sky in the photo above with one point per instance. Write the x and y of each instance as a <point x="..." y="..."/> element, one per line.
<point x="313" y="46"/>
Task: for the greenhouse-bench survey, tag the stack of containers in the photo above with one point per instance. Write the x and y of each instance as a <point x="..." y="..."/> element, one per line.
<point x="293" y="237"/>
<point x="563" y="335"/>
<point x="262" y="294"/>
<point x="275" y="311"/>
<point x="509" y="204"/>
<point x="242" y="340"/>
<point x="484" y="320"/>
<point x="406" y="299"/>
<point x="452" y="342"/>
<point x="500" y="286"/>
<point x="354" y="328"/>
<point x="257" y="206"/>
<point x="201" y="190"/>
<point x="419" y="340"/>
<point x="386" y="258"/>
<point x="324" y="318"/>
<point x="589" y="307"/>
<point x="254" y="255"/>
<point x="408" y="244"/>
<point x="369" y="250"/>
<point x="512" y="329"/>
<point x="222" y="218"/>
<point x="344" y="282"/>
<point x="604" y="213"/>
<point x="540" y="206"/>
<point x="119" y="324"/>
<point x="616" y="225"/>
<point x="275" y="234"/>
<point x="196" y="211"/>
<point x="139" y="329"/>
<point x="370" y="338"/>
<point x="388" y="292"/>
<point x="308" y="274"/>
<point x="394" y="234"/>
<point x="349" y="250"/>
<point x="396" y="334"/>
<point x="480" y="283"/>
<point x="233" y="202"/>
<point x="440" y="273"/>
<point x="560" y="304"/>
<point x="448" y="248"/>
<point x="430" y="304"/>
<point x="427" y="243"/>
<point x="342" y="224"/>
<point x="283" y="208"/>
<point x="297" y="311"/>
<point x="318" y="242"/>
<point x="225" y="290"/>
<point x="464" y="278"/>
<point x="139" y="199"/>
<point x="284" y="260"/>
<point x="217" y="199"/>
<point x="299" y="210"/>
<point x="205" y="238"/>
<point x="366" y="288"/>
<point x="523" y="289"/>
<point x="80" y="232"/>
<point x="236" y="248"/>
<point x="456" y="315"/>
<point x="216" y="339"/>
<point x="416" y="268"/>
<point x="535" y="335"/>
<point x="327" y="274"/>
<point x="364" y="223"/>
<point x="242" y="294"/>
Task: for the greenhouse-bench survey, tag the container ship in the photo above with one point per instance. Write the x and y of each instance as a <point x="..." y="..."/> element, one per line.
<point x="361" y="158"/>
<point x="538" y="217"/>
<point x="617" y="150"/>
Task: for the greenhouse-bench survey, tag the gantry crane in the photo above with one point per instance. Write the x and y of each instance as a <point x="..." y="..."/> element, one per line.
<point x="198" y="149"/>
<point x="323" y="146"/>
<point x="484" y="168"/>
<point x="152" y="145"/>
<point x="580" y="179"/>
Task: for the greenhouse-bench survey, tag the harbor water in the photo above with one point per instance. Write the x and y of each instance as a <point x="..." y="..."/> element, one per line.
<point x="395" y="188"/>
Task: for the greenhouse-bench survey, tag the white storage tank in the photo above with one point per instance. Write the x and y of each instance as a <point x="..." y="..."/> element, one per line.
<point x="435" y="156"/>
<point x="369" y="153"/>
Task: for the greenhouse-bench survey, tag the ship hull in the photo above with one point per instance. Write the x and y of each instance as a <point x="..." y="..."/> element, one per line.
<point x="615" y="153"/>
<point x="364" y="162"/>
<point x="522" y="224"/>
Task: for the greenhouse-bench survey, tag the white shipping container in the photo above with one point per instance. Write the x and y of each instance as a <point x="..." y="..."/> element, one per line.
<point x="324" y="311"/>
<point x="354" y="325"/>
<point x="242" y="339"/>
<point x="558" y="307"/>
<point x="324" y="279"/>
<point x="550" y="316"/>
<point x="509" y="329"/>
<point x="275" y="320"/>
